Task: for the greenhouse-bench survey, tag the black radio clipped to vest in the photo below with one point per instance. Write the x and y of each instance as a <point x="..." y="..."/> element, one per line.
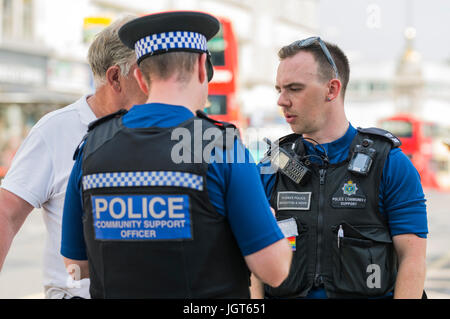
<point x="288" y="164"/>
<point x="362" y="157"/>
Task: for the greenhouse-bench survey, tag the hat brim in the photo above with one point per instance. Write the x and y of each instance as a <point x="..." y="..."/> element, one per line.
<point x="190" y="21"/>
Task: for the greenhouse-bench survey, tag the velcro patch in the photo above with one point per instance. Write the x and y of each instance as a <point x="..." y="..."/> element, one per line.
<point x="141" y="217"/>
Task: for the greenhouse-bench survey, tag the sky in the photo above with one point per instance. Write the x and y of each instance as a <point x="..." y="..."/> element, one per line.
<point x="374" y="29"/>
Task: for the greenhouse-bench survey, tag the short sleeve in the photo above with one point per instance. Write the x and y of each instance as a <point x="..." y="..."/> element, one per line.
<point x="72" y="241"/>
<point x="402" y="199"/>
<point x="244" y="202"/>
<point x="31" y="174"/>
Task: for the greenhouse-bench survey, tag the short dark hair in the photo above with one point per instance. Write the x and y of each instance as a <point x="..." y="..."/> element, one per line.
<point x="325" y="70"/>
<point x="163" y="66"/>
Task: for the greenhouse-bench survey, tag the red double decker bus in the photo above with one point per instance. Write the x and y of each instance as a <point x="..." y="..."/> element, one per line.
<point x="223" y="105"/>
<point x="427" y="144"/>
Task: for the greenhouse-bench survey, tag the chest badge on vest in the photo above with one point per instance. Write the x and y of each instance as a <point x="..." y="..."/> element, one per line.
<point x="349" y="188"/>
<point x="349" y="195"/>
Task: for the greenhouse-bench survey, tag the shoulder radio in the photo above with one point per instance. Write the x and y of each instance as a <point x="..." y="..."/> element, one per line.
<point x="288" y="164"/>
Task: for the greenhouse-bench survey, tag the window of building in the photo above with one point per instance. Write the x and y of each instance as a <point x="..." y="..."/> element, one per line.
<point x="27" y="19"/>
<point x="7" y="18"/>
<point x="16" y="19"/>
<point x="217" y="105"/>
<point x="217" y="47"/>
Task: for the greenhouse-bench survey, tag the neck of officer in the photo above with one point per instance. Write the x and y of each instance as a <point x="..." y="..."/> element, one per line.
<point x="172" y="91"/>
<point x="334" y="123"/>
<point x="104" y="101"/>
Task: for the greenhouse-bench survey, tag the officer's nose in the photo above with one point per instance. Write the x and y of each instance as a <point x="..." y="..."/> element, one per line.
<point x="283" y="101"/>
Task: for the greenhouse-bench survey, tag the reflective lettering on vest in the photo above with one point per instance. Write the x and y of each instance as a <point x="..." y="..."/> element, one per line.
<point x="141" y="217"/>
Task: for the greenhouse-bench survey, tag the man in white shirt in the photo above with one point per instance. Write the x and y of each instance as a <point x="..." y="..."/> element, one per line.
<point x="41" y="167"/>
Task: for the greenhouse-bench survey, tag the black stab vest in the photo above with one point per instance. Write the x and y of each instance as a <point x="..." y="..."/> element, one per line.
<point x="364" y="263"/>
<point x="205" y="264"/>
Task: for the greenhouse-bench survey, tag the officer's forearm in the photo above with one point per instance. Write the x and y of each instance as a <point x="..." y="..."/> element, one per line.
<point x="410" y="279"/>
<point x="411" y="252"/>
<point x="256" y="288"/>
<point x="272" y="263"/>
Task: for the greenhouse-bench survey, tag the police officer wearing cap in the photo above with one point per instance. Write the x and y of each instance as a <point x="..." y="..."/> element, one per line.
<point x="156" y="206"/>
<point x="351" y="202"/>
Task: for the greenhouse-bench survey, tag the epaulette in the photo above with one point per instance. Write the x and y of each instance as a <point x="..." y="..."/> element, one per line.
<point x="383" y="133"/>
<point x="221" y="125"/>
<point x="105" y="118"/>
<point x="290" y="138"/>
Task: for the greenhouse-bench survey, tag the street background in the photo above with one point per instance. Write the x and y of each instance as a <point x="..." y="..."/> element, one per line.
<point x="399" y="58"/>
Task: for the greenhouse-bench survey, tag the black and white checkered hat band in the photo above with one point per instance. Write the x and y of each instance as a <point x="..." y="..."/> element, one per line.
<point x="143" y="179"/>
<point x="170" y="40"/>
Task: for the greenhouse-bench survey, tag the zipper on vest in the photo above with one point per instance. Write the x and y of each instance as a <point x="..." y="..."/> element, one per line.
<point x="340" y="235"/>
<point x="318" y="277"/>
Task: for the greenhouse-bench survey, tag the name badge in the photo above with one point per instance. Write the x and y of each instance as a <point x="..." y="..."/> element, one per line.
<point x="294" y="200"/>
<point x="289" y="229"/>
<point x="141" y="217"/>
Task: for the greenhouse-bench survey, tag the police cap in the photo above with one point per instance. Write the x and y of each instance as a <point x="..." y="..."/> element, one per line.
<point x="168" y="32"/>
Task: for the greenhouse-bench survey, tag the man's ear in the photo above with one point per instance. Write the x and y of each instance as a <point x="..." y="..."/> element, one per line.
<point x="202" y="72"/>
<point x="140" y="79"/>
<point x="334" y="88"/>
<point x="113" y="78"/>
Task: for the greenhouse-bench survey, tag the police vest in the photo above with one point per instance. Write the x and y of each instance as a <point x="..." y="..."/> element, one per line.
<point x="149" y="226"/>
<point x="342" y="241"/>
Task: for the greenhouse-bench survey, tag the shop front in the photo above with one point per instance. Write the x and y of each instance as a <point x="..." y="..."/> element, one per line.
<point x="32" y="85"/>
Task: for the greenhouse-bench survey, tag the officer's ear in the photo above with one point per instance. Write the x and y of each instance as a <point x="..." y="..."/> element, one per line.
<point x="202" y="72"/>
<point x="334" y="88"/>
<point x="113" y="78"/>
<point x="140" y="79"/>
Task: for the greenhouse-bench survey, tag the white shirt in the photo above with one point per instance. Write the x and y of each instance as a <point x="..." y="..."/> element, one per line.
<point x="39" y="174"/>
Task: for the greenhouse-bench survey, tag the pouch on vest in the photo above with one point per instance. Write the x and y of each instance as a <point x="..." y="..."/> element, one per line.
<point x="361" y="258"/>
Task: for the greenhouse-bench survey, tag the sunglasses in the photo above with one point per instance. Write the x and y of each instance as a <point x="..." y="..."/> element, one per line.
<point x="307" y="42"/>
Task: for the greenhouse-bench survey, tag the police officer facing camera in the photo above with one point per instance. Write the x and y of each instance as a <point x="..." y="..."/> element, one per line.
<point x="154" y="212"/>
<point x="348" y="199"/>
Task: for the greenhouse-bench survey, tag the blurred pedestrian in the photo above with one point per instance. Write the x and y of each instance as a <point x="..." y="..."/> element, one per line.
<point x="39" y="173"/>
